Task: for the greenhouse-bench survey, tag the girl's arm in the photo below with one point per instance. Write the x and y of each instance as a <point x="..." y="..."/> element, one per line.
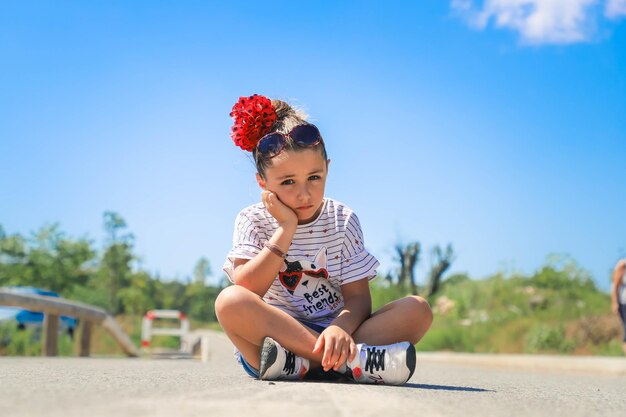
<point x="258" y="273"/>
<point x="336" y="341"/>
<point x="357" y="305"/>
<point x="618" y="273"/>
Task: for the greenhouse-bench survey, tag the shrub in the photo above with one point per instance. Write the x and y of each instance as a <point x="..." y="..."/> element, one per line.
<point x="28" y="341"/>
<point x="543" y="337"/>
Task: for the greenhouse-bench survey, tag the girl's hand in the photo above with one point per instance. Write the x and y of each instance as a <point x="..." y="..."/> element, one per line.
<point x="283" y="214"/>
<point x="337" y="345"/>
<point x="614" y="307"/>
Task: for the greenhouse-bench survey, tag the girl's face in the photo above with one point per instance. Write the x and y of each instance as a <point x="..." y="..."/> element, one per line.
<point x="298" y="179"/>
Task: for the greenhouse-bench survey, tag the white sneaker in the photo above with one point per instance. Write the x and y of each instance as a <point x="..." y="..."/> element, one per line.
<point x="277" y="363"/>
<point x="390" y="364"/>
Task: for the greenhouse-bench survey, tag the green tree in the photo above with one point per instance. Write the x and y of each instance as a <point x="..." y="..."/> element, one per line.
<point x="115" y="265"/>
<point x="201" y="271"/>
<point x="13" y="254"/>
<point x="48" y="260"/>
<point x="138" y="297"/>
<point x="201" y="298"/>
<point x="561" y="272"/>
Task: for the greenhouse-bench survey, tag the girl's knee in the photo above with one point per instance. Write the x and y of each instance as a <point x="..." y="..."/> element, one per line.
<point x="422" y="315"/>
<point x="422" y="308"/>
<point x="231" y="299"/>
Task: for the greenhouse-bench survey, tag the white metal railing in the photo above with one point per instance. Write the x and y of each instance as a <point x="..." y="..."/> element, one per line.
<point x="148" y="330"/>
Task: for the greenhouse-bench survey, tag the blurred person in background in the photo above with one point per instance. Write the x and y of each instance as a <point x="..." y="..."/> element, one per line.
<point x="618" y="296"/>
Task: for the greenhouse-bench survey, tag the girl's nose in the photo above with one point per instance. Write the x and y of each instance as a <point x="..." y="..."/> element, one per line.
<point x="304" y="194"/>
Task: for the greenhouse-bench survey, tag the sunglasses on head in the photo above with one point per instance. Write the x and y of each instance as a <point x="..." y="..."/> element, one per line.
<point x="305" y="136"/>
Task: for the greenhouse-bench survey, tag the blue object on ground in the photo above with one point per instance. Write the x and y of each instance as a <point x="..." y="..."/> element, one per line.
<point x="26" y="318"/>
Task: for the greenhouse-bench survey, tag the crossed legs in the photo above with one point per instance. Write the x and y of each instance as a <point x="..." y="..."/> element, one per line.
<point x="247" y="320"/>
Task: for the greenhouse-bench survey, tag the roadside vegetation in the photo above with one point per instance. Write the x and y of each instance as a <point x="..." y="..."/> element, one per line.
<point x="556" y="310"/>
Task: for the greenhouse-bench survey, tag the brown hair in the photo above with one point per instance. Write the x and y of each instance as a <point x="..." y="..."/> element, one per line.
<point x="287" y="118"/>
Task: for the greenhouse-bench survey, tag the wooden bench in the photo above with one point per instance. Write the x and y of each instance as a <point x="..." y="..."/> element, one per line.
<point x="54" y="307"/>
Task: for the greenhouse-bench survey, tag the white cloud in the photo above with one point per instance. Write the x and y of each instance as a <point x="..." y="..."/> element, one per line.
<point x="462" y="5"/>
<point x="540" y="21"/>
<point x="615" y="9"/>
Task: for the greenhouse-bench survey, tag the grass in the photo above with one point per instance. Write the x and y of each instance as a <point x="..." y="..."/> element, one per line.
<point x="555" y="311"/>
<point x="29" y="341"/>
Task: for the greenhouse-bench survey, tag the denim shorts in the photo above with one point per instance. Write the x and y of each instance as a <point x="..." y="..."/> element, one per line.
<point x="252" y="371"/>
<point x="622" y="314"/>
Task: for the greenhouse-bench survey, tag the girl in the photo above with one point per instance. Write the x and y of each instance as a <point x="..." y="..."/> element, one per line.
<point x="301" y="299"/>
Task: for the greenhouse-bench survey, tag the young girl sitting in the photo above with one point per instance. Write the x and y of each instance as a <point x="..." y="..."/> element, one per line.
<point x="301" y="299"/>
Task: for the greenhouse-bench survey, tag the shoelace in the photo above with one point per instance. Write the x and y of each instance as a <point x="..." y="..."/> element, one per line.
<point x="290" y="363"/>
<point x="375" y="359"/>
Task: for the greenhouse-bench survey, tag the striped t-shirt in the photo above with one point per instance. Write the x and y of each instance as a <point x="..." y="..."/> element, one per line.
<point x="324" y="254"/>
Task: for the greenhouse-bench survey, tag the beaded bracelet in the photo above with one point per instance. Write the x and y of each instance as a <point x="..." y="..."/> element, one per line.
<point x="275" y="249"/>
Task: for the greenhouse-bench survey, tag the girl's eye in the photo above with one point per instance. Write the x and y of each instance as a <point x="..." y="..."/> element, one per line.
<point x="287" y="182"/>
<point x="314" y="177"/>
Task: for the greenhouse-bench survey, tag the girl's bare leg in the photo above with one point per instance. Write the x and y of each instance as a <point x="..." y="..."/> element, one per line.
<point x="406" y="319"/>
<point x="247" y="320"/>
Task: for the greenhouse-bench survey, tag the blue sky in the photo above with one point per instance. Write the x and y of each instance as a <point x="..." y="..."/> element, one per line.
<point x="498" y="126"/>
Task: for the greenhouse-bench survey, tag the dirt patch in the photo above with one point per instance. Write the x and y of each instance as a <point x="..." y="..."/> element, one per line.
<point x="594" y="330"/>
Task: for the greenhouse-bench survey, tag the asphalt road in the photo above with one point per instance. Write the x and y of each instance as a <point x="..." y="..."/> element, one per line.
<point x="93" y="387"/>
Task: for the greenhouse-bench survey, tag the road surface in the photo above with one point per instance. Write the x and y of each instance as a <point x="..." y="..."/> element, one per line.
<point x="94" y="387"/>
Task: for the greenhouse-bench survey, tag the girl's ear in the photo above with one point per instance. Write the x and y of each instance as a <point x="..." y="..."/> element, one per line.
<point x="260" y="181"/>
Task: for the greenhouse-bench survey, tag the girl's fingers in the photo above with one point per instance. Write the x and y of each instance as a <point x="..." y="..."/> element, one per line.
<point x="318" y="344"/>
<point x="353" y="351"/>
<point x="327" y="358"/>
<point x="337" y="351"/>
<point x="344" y="352"/>
<point x="265" y="198"/>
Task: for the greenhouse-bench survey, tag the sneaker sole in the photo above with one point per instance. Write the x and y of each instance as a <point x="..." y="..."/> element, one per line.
<point x="410" y="360"/>
<point x="268" y="355"/>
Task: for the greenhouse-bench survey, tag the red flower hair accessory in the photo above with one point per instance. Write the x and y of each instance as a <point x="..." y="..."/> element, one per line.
<point x="254" y="117"/>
